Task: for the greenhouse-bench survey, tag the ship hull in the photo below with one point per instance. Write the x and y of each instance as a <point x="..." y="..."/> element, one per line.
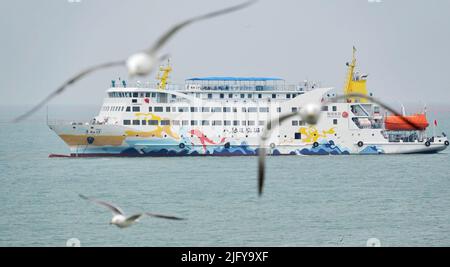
<point x="111" y="141"/>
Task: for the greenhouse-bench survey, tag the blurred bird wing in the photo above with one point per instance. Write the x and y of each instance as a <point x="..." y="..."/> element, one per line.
<point x="262" y="149"/>
<point x="166" y="36"/>
<point x="133" y="218"/>
<point x="161" y="41"/>
<point x="115" y="209"/>
<point x="163" y="216"/>
<point x="64" y="86"/>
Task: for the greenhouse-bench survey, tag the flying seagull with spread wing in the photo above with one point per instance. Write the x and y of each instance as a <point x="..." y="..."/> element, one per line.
<point x="310" y="114"/>
<point x="120" y="219"/>
<point x="139" y="64"/>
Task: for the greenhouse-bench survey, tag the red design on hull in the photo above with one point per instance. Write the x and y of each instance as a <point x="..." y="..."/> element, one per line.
<point x="204" y="140"/>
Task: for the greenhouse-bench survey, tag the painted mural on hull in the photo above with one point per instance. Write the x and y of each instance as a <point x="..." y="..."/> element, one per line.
<point x="158" y="147"/>
<point x="163" y="141"/>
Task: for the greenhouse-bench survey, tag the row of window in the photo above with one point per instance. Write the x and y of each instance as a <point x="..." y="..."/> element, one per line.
<point x="302" y="123"/>
<point x="205" y="122"/>
<point x="201" y="109"/>
<point x="133" y="94"/>
<point x="207" y="109"/>
<point x="113" y="108"/>
<point x="325" y="108"/>
<point x="250" y="96"/>
<point x="209" y="96"/>
<point x="192" y="109"/>
<point x="298" y="123"/>
<point x="193" y="122"/>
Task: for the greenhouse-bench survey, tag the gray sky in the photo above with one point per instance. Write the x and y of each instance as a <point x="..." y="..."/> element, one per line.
<point x="403" y="44"/>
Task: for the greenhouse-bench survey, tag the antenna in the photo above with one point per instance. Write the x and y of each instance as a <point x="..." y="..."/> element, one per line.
<point x="403" y="109"/>
<point x="355" y="81"/>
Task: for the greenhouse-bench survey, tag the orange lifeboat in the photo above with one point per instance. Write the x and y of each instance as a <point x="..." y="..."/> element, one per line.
<point x="396" y="123"/>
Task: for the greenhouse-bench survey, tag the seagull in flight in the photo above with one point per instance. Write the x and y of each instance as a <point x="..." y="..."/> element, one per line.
<point x="120" y="219"/>
<point x="310" y="114"/>
<point x="138" y="64"/>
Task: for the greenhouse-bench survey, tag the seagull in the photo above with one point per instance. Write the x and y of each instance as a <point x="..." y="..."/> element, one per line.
<point x="138" y="64"/>
<point x="310" y="113"/>
<point x="120" y="219"/>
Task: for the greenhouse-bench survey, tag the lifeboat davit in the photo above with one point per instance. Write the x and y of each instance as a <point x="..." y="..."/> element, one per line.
<point x="396" y="123"/>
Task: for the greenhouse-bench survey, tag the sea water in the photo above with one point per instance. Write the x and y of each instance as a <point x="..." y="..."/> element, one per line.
<point x="402" y="200"/>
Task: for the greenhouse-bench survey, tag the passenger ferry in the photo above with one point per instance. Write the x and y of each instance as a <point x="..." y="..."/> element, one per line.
<point x="225" y="116"/>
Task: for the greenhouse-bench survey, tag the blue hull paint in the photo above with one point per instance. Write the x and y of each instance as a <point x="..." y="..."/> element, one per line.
<point x="172" y="150"/>
<point x="176" y="151"/>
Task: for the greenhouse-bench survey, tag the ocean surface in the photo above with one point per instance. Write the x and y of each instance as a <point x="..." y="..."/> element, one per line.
<point x="402" y="200"/>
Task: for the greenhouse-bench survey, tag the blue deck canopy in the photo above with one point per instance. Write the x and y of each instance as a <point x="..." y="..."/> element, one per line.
<point x="237" y="79"/>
